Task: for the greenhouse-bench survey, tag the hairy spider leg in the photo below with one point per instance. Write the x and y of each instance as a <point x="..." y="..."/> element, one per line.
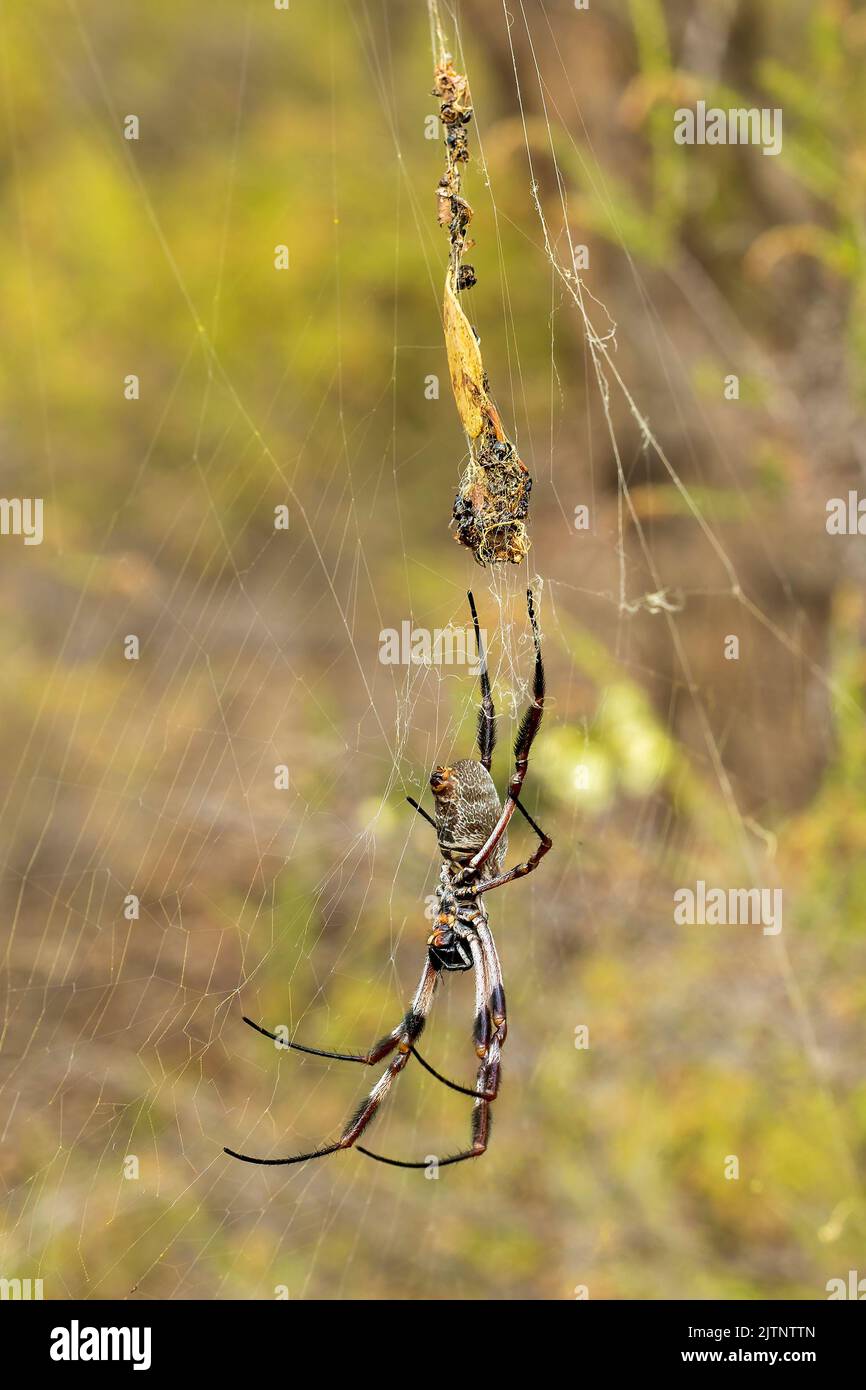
<point x="368" y="1059"/>
<point x="481" y="1023"/>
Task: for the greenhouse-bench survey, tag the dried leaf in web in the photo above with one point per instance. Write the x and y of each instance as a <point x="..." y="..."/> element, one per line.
<point x="492" y="501"/>
<point x="464" y="364"/>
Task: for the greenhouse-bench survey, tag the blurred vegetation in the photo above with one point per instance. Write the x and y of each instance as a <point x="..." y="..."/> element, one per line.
<point x="659" y="762"/>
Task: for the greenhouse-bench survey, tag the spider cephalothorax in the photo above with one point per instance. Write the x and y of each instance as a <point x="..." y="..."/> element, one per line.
<point x="470" y="827"/>
<point x="449" y="944"/>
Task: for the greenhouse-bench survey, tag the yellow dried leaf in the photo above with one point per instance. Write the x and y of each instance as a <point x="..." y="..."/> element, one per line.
<point x="464" y="364"/>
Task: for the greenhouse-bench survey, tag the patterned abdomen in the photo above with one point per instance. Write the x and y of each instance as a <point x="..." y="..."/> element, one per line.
<point x="466" y="817"/>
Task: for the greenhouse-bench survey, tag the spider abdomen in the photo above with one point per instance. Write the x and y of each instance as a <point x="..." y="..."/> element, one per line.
<point x="467" y="811"/>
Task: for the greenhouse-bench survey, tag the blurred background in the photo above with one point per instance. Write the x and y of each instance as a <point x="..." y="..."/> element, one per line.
<point x="125" y="1063"/>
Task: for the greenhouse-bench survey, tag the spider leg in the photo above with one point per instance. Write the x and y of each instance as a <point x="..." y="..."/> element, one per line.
<point x="486" y="713"/>
<point x="280" y="1162"/>
<point x="519" y="870"/>
<point x="487" y="1087"/>
<point x="367" y="1059"/>
<point x="529" y="726"/>
<point x="452" y="1085"/>
<point x="421" y="811"/>
<point x="496" y="1002"/>
<point x="489" y="1071"/>
<point x="536" y="827"/>
<point x="403" y="1038"/>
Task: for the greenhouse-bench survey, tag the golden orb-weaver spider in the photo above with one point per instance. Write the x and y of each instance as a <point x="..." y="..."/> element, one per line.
<point x="470" y="824"/>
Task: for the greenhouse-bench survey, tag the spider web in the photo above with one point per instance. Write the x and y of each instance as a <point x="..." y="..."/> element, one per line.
<point x="126" y="1065"/>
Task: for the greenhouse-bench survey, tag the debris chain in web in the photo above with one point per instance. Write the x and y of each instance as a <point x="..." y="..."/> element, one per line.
<point x="493" y="494"/>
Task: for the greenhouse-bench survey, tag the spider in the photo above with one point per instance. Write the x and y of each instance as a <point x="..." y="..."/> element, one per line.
<point x="470" y="824"/>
